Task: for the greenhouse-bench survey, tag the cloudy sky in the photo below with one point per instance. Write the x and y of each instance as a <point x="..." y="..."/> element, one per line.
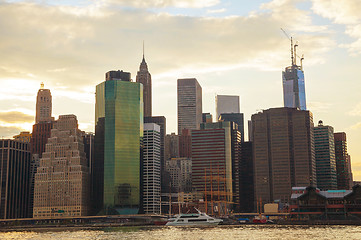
<point x="231" y="46"/>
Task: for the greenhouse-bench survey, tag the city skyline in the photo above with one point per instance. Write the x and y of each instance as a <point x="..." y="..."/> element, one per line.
<point x="231" y="52"/>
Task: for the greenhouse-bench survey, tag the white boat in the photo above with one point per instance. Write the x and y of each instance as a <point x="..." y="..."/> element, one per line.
<point x="193" y="219"/>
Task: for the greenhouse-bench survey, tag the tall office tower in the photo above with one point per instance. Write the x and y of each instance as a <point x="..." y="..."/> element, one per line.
<point x="234" y="117"/>
<point x="119" y="111"/>
<point x="189" y="104"/>
<point x="97" y="168"/>
<point x="180" y="171"/>
<point x="207" y="118"/>
<point x="171" y="147"/>
<point x="213" y="163"/>
<point x="250" y="134"/>
<point x="151" y="174"/>
<point x="246" y="188"/>
<point x="226" y="104"/>
<point x="43" y="105"/>
<point x="350" y="170"/>
<point x="283" y="152"/>
<point x="144" y="77"/>
<point x="342" y="164"/>
<point x="185" y="144"/>
<point x="88" y="142"/>
<point x="62" y="181"/>
<point x="15" y="175"/>
<point x="41" y="132"/>
<point x="325" y="157"/>
<point x="161" y="121"/>
<point x="294" y="94"/>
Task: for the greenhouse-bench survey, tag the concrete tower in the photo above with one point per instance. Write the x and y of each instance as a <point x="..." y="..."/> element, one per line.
<point x="62" y="179"/>
<point x="189" y="104"/>
<point x="43" y="105"/>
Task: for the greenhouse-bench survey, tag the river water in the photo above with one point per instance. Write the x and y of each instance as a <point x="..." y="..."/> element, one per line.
<point x="183" y="233"/>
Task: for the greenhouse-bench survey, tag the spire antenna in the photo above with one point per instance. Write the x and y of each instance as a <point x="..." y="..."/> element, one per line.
<point x="143" y="49"/>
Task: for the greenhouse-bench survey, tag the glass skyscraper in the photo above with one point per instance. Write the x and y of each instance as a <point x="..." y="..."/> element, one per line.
<point x="294" y="95"/>
<point x="120" y="102"/>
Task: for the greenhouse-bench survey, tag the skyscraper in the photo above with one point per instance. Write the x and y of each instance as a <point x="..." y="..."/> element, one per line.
<point x="236" y="118"/>
<point x="144" y="77"/>
<point x="15" y="160"/>
<point x="41" y="132"/>
<point x="62" y="181"/>
<point x="342" y="161"/>
<point x="161" y="121"/>
<point x="43" y="105"/>
<point x="226" y="104"/>
<point x="189" y="94"/>
<point x="151" y="174"/>
<point x="294" y="94"/>
<point x="325" y="157"/>
<point x="214" y="157"/>
<point x="283" y="152"/>
<point x="119" y="111"/>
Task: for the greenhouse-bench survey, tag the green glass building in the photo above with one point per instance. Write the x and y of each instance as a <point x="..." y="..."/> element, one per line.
<point x="119" y="106"/>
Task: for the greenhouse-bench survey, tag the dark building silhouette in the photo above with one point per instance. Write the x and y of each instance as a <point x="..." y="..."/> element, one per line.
<point x="246" y="187"/>
<point x="325" y="157"/>
<point x="283" y="152"/>
<point x="234" y="117"/>
<point x="117" y="75"/>
<point x="15" y="159"/>
<point x="185" y="144"/>
<point x="342" y="161"/>
<point x="97" y="168"/>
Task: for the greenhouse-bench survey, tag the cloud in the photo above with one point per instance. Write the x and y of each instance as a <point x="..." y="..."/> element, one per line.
<point x="165" y="3"/>
<point x="15" y="117"/>
<point x="319" y="106"/>
<point x="221" y="10"/>
<point x="356" y="111"/>
<point x="346" y="12"/>
<point x="9" y="132"/>
<point x="74" y="51"/>
<point x="356" y="126"/>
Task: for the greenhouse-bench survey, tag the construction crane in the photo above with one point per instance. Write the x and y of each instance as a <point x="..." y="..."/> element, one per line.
<point x="293" y="50"/>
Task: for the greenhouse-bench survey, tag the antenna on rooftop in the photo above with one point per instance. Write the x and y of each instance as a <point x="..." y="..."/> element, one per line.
<point x="293" y="50"/>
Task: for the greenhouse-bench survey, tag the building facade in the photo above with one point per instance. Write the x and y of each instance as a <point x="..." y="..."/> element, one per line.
<point x="119" y="110"/>
<point x="236" y="118"/>
<point x="207" y="118"/>
<point x="294" y="94"/>
<point x="212" y="163"/>
<point x="180" y="171"/>
<point x="43" y="105"/>
<point x="189" y="95"/>
<point x="342" y="161"/>
<point x="283" y="152"/>
<point x="15" y="159"/>
<point x="151" y="169"/>
<point x="227" y="104"/>
<point x="161" y="121"/>
<point x="23" y="137"/>
<point x="62" y="181"/>
<point x="325" y="157"/>
<point x="144" y="77"/>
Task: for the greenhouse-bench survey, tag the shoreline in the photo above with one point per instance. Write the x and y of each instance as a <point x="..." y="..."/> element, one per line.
<point x="125" y="226"/>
